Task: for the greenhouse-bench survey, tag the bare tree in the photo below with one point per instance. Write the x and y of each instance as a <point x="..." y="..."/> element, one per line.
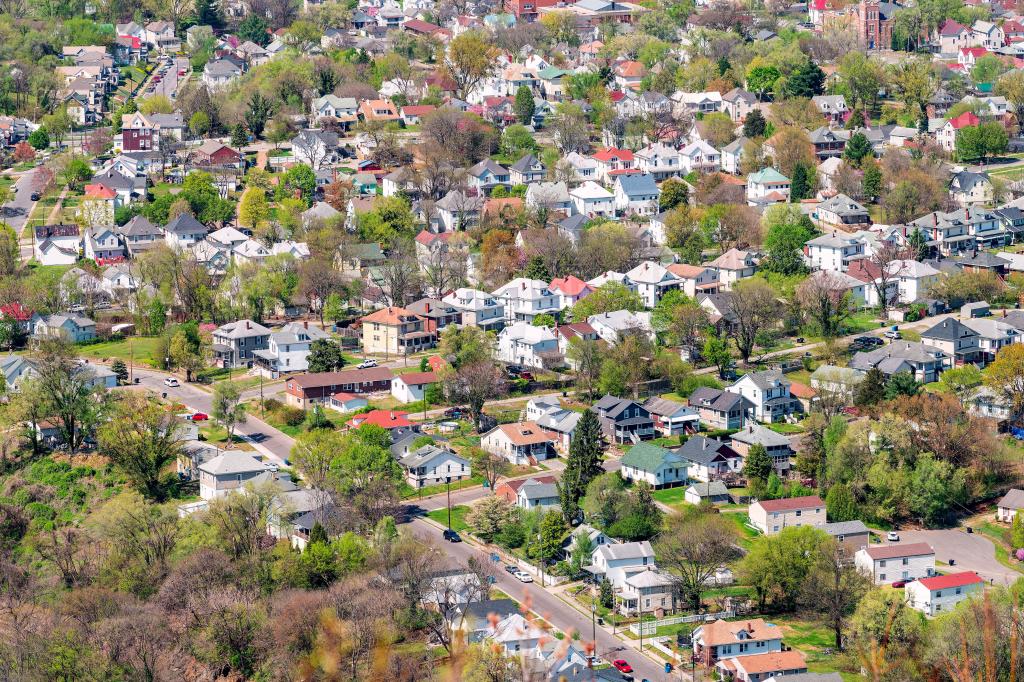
<point x="834" y="586"/>
<point x="474" y="384"/>
<point x="445" y="267"/>
<point x="71" y="551"/>
<point x="756" y="308"/>
<point x="886" y="265"/>
<point x="692" y="550"/>
<point x="399" y="276"/>
<point x="826" y="300"/>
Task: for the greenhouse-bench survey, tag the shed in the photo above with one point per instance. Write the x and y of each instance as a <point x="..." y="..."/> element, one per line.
<point x="976" y="309"/>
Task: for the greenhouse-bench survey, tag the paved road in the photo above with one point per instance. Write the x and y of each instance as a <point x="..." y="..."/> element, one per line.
<point x="550" y="607"/>
<point x="972" y="552"/>
<point x="168" y="85"/>
<point x="15" y="212"/>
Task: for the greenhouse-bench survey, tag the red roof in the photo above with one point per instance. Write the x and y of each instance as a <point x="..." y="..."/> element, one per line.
<point x="343" y="397"/>
<point x="1012" y="26"/>
<point x="942" y="582"/>
<point x="427" y="238"/>
<point x="16" y="311"/>
<point x="99" y="191"/>
<point x="612" y="153"/>
<point x="418" y="378"/>
<point x="631" y="70"/>
<point x="420" y="26"/>
<point x="951" y="28"/>
<point x="616" y="96"/>
<point x="418" y="109"/>
<point x="819" y="5"/>
<point x="570" y="286"/>
<point x="964" y="120"/>
<point x="791" y="503"/>
<point x="387" y="419"/>
<point x="436" y="362"/>
<point x="974" y="51"/>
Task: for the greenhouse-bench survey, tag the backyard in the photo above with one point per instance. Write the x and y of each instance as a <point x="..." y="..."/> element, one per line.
<point x="138" y="350"/>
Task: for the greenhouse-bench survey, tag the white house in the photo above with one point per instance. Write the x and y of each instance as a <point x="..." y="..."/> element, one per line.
<point x="734" y="265"/>
<point x="652" y="280"/>
<point x="430" y="465"/>
<point x="1009" y="504"/>
<point x="523" y="344"/>
<point x="332" y="106"/>
<point x="732" y="155"/>
<point x="534" y="494"/>
<point x="613" y="326"/>
<point x="832" y="252"/>
<point x="915" y="279"/>
<point x="516" y="636"/>
<point x="478" y="308"/>
<point x="769" y="392"/>
<point x="886" y="564"/>
<point x="618" y="561"/>
<point x="412" y="387"/>
<point x="524" y="299"/>
<point x="934" y="595"/>
<point x="655" y="465"/>
<point x="767" y="184"/>
<point x="659" y="160"/>
<point x="228" y="473"/>
<point x="636" y="194"/>
<point x="57" y="244"/>
<point x="287" y="349"/>
<point x="700" y="157"/>
<point x="551" y="196"/>
<point x="521" y="443"/>
<point x="722" y="640"/>
<point x="771" y="516"/>
<point x="593" y="200"/>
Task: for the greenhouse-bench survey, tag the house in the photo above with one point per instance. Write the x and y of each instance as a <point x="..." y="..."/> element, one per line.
<point x="671" y="418"/>
<point x="412" y="387"/>
<point x="617" y="561"/>
<point x="700" y="157"/>
<point x="219" y="73"/>
<point x="623" y="420"/>
<point x="478" y="308"/>
<point x="659" y="161"/>
<point x="477" y="620"/>
<point x="843" y="212"/>
<point x="488" y="174"/>
<point x="570" y="290"/>
<point x="940" y="593"/>
<point x="436" y="314"/>
<point x="228" y="472"/>
<point x="235" y="343"/>
<point x="832" y="252"/>
<point x="695" y="279"/>
<point x="342" y="109"/>
<point x="57" y="244"/>
<point x="987" y="35"/>
<point x="67" y="326"/>
<point x="515" y="636"/>
<point x="550" y="415"/>
<point x="738" y="103"/>
<point x="915" y="280"/>
<point x="430" y="465"/>
<point x="886" y="564"/>
<point x="721" y="409"/>
<point x="955" y="339"/>
<point x="833" y="107"/>
<point x="391" y="420"/>
<point x="288" y="349"/>
<point x="992" y="336"/>
<point x="413" y="114"/>
<point x="775" y="444"/>
<point x="947" y="134"/>
<point x="851" y="535"/>
<point x="827" y="142"/>
<point x="509" y="490"/>
<point x="1009" y="504"/>
<point x="612" y="161"/>
<point x="378" y="110"/>
<point x="523" y="344"/>
<point x="592" y="200"/>
<point x="841" y="380"/>
<point x="458" y="211"/>
<point x="709" y="459"/>
<point x="649" y="591"/>
<point x="213" y="153"/>
<point x="952" y="37"/>
<point x="732" y="155"/>
<point x="652" y="280"/>
<point x="924" y="361"/>
<point x="533" y="494"/>
<point x="527" y="170"/>
<point x="523" y="299"/>
<point x="549" y="196"/>
<point x="183" y="231"/>
<point x="655" y="465"/>
<point x="768" y="391"/>
<point x="395" y="331"/>
<point x="767" y="184"/>
<point x="968" y="188"/>
<point x="636" y="194"/>
<point x="315" y="148"/>
<point x="613" y="327"/>
<point x="305" y="390"/>
<point x="709" y="492"/>
<point x="771" y="516"/>
<point x="732" y="266"/>
<point x="728" y="640"/>
<point x="521" y="443"/>
<point x="346" y="402"/>
<point x="700" y="102"/>
<point x="760" y="667"/>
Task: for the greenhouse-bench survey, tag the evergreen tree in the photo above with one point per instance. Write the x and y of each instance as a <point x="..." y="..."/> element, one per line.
<point x="755" y="124"/>
<point x="208" y="14"/>
<point x="524" y="106"/>
<point x="121" y="370"/>
<point x="901" y="384"/>
<point x="424" y="365"/>
<point x="607" y="597"/>
<point x="317" y="419"/>
<point x="258" y="113"/>
<point x="758" y="465"/>
<point x="239" y="138"/>
<point x="807" y="80"/>
<point x="1017" y="531"/>
<point x="871" y="182"/>
<point x="857" y="149"/>
<point x="840" y="504"/>
<point x="535" y="269"/>
<point x="918" y="244"/>
<point x="317" y="534"/>
<point x="800" y="188"/>
<point x="254" y="28"/>
<point x="325" y="356"/>
<point x="871" y="389"/>
<point x="582" y="465"/>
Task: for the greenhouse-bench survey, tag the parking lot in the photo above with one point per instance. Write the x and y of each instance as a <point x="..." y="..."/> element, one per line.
<point x="971" y="552"/>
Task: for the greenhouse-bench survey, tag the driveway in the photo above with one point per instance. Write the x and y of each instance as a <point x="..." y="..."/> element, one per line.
<point x="972" y="552"/>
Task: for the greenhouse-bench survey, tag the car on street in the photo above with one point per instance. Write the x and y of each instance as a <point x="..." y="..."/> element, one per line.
<point x="523" y="577"/>
<point x="901" y="583"/>
<point x="366" y="364"/>
<point x="622" y="666"/>
<point x="868" y="341"/>
<point x="199" y="417"/>
<point x="512" y="568"/>
<point x="172" y="382"/>
<point x="451" y="536"/>
<point x="34" y="196"/>
<point x="892" y="536"/>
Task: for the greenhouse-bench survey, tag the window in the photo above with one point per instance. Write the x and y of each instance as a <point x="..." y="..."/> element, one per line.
<point x="881" y="564"/>
<point x="906" y="561"/>
<point x="881" y="576"/>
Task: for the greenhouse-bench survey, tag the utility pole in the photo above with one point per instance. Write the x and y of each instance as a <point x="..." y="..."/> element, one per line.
<point x="593" y="622"/>
<point x="448" y="486"/>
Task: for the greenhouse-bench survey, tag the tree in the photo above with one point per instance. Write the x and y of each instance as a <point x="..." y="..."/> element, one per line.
<point x="69" y="391"/>
<point x="39" y="139"/>
<point x="786" y="233"/>
<point x="917" y="243"/>
<point x="693" y="547"/>
<point x="834" y="586"/>
<point x="120" y="370"/>
<point x="586" y="359"/>
<point x="674" y="192"/>
<point x="962" y="382"/>
<point x="840" y="504"/>
<point x="871" y="181"/>
<point x="1005" y="377"/>
<point x="800" y="187"/>
<point x="1011" y="86"/>
<point x="755" y="126"/>
<point x="552" y="533"/>
<point x="253" y="210"/>
<point x="239" y="137"/>
<point x="199" y="124"/>
<point x="608" y="297"/>
<point x="524" y="105"/>
<point x="987" y="69"/>
<point x="758" y="465"/>
<point x="807" y="80"/>
<point x="978" y="143"/>
<point x="756" y="308"/>
<point x="716" y="351"/>
<point x="871" y="390"/>
<point x="901" y="384"/>
<point x="24" y="151"/>
<point x="761" y="77"/>
<point x="325" y="356"/>
<point x="254" y="28"/>
<point x="582" y="465"/>
<point x="228" y="409"/>
<point x="470" y="58"/>
<point x="58" y="125"/>
<point x="777" y="565"/>
<point x="473" y="384"/>
<point x="487" y="464"/>
<point x="141" y="439"/>
<point x="208" y="13"/>
<point x="857" y="149"/>
<point x="827" y="302"/>
<point x="257" y="114"/>
<point x="489" y="516"/>
<point x="861" y="77"/>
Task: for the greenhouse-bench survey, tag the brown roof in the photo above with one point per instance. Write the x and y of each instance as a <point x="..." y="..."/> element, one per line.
<point x="791" y="503"/>
<point x="526" y="433"/>
<point x="686" y="271"/>
<point x="418" y="378"/>
<point x="775" y="661"/>
<point x="389" y="315"/>
<point x="798" y="390"/>
<point x="726" y="632"/>
<point x="369" y="375"/>
<point x="895" y="551"/>
<point x="516" y="484"/>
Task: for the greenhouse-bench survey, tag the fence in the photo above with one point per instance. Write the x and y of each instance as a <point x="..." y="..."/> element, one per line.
<point x="650" y="627"/>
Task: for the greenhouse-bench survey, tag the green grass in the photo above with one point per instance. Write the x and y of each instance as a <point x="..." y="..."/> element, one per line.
<point x="408" y="492"/>
<point x="137" y="349"/>
<point x="1000" y="537"/>
<point x="670" y="496"/>
<point x="458" y="517"/>
<point x="746" y="534"/>
<point x="786" y="428"/>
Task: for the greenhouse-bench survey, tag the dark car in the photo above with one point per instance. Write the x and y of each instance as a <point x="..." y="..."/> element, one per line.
<point x="454" y="412"/>
<point x="451" y="536"/>
<point x="511" y="568"/>
<point x="35" y="196"/>
<point x="869" y="341"/>
<point x="526" y="375"/>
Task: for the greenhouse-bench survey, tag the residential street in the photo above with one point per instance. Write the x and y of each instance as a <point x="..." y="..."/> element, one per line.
<point x="15" y="213"/>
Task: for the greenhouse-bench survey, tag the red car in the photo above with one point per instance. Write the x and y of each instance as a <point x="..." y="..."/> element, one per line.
<point x="901" y="583"/>
<point x="622" y="666"/>
<point x="199" y="417"/>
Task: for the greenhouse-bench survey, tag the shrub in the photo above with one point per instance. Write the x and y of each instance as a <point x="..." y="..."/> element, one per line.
<point x="292" y="416"/>
<point x="272" y="404"/>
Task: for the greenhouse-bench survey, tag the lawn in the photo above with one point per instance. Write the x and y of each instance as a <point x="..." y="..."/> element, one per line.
<point x="670" y="496"/>
<point x="785" y="428"/>
<point x="217" y="435"/>
<point x="408" y="492"/>
<point x="140" y="350"/>
<point x="458" y="517"/>
<point x="747" y="534"/>
<point x="1000" y="537"/>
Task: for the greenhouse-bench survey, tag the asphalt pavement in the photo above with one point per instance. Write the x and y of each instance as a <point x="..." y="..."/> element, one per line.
<point x="15" y="212"/>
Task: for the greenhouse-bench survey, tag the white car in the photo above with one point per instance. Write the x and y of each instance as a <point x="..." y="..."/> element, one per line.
<point x="892" y="536"/>
<point x="366" y="364"/>
<point x="524" y="577"/>
<point x="172" y="382"/>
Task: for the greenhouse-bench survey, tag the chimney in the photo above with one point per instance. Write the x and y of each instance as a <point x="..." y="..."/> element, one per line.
<point x="305" y="324"/>
<point x="522" y="285"/>
<point x="750" y="626"/>
<point x="428" y="307"/>
<point x="392" y="415"/>
<point x="935" y="219"/>
<point x="248" y="325"/>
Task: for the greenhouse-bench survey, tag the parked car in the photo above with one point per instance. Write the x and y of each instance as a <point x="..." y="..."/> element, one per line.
<point x="454" y="413"/>
<point x="902" y="583"/>
<point x="366" y="364"/>
<point x="523" y="577"/>
<point x="35" y="196"/>
<point x="512" y="568"/>
<point x="199" y="417"/>
<point x="172" y="382"/>
<point x="892" y="536"/>
<point x="867" y="341"/>
<point x="526" y="375"/>
<point x="622" y="666"/>
<point x="893" y="334"/>
<point x="451" y="536"/>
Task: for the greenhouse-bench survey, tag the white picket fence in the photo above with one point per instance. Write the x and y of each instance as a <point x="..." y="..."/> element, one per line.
<point x="649" y="627"/>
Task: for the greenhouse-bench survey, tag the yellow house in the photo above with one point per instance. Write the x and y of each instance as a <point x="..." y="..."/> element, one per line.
<point x="395" y="331"/>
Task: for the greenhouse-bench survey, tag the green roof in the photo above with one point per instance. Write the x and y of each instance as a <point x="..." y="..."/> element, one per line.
<point x="550" y="73"/>
<point x="646" y="456"/>
<point x="767" y="175"/>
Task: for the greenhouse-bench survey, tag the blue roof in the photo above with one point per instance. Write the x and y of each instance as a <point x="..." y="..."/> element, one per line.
<point x="638" y="184"/>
